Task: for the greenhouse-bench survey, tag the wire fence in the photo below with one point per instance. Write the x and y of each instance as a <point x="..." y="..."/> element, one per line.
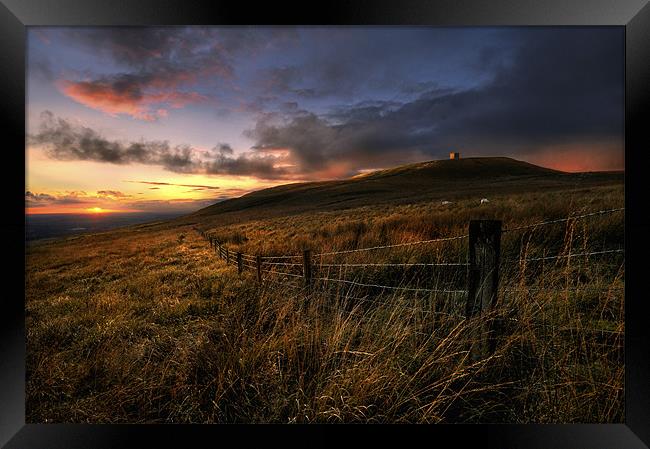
<point x="563" y="256"/>
<point x="372" y="248"/>
<point x="562" y="220"/>
<point x="302" y="265"/>
<point x="388" y="287"/>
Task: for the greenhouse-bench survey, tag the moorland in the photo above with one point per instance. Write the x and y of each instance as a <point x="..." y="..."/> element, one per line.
<point x="148" y="324"/>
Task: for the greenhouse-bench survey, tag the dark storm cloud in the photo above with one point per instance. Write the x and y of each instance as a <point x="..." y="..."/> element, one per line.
<point x="42" y="69"/>
<point x="63" y="141"/>
<point x="137" y="46"/>
<point x="225" y="149"/>
<point x="157" y="62"/>
<point x="562" y="87"/>
<point x="169" y="50"/>
<point x="282" y="78"/>
<point x="262" y="166"/>
<point x="349" y="63"/>
<point x="349" y="99"/>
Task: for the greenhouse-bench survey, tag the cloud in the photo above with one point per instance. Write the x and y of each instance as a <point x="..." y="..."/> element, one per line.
<point x="115" y="200"/>
<point x="130" y="95"/>
<point x="41" y="68"/>
<point x="225" y="149"/>
<point x="112" y="194"/>
<point x="44" y="199"/>
<point x="561" y="88"/>
<point x="181" y="205"/>
<point x="72" y="197"/>
<point x="543" y="89"/>
<point x="38" y="197"/>
<point x="63" y="141"/>
<point x="155" y="183"/>
<point x="157" y="62"/>
<point x="248" y="164"/>
<point x="193" y="47"/>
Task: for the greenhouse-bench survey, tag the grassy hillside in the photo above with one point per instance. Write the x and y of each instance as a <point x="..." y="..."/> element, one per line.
<point x="434" y="180"/>
<point x="147" y="324"/>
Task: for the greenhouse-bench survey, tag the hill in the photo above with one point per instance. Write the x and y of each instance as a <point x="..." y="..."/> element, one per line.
<point x="148" y="324"/>
<point x="433" y="180"/>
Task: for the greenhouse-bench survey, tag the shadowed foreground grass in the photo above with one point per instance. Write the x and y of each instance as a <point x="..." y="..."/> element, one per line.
<point x="146" y="324"/>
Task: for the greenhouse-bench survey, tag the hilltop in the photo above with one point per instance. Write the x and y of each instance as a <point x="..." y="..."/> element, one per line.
<point x="432" y="180"/>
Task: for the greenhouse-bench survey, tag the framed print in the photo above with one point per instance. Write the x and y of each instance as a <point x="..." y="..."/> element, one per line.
<point x="427" y="214"/>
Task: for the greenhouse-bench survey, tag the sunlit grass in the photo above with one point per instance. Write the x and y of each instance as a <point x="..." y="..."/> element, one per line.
<point x="143" y="325"/>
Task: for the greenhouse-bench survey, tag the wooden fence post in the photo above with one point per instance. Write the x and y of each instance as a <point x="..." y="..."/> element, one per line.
<point x="258" y="260"/>
<point x="219" y="249"/>
<point x="227" y="256"/>
<point x="483" y="280"/>
<point x="306" y="267"/>
<point x="240" y="267"/>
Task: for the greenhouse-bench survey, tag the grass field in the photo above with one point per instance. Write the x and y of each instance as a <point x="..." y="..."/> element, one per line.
<point x="146" y="324"/>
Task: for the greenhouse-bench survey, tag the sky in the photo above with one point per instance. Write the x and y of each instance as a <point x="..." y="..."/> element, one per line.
<point x="163" y="119"/>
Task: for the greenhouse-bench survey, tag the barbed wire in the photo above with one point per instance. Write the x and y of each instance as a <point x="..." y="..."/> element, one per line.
<point x="420" y="242"/>
<point x="460" y="264"/>
<point x="253" y="259"/>
<point x="619" y="250"/>
<point x="282" y="273"/>
<point x="284" y="264"/>
<point x="387" y="286"/>
<point x="560" y="220"/>
<point x="559" y="290"/>
<point x="295" y="256"/>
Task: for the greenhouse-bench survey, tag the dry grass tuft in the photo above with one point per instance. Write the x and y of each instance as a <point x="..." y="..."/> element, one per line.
<point x="148" y="325"/>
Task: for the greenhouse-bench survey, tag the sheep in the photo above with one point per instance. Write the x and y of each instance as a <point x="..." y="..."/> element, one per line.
<point x="444" y="203"/>
<point x="484" y="200"/>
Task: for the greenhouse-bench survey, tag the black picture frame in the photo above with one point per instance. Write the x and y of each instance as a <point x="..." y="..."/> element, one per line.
<point x="16" y="15"/>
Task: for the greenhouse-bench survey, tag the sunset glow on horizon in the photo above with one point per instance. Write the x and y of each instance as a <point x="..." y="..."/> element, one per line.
<point x="156" y="119"/>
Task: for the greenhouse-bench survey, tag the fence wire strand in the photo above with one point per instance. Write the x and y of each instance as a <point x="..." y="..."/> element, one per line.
<point x="250" y="260"/>
<point x="282" y="273"/>
<point x="561" y="220"/>
<point x="420" y="242"/>
<point x="387" y="286"/>
<point x="460" y="264"/>
<point x="532" y="259"/>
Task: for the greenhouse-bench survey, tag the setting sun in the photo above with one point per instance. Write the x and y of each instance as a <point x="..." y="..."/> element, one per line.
<point x="95" y="210"/>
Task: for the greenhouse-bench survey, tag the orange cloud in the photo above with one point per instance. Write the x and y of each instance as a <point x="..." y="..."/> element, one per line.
<point x="113" y="98"/>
